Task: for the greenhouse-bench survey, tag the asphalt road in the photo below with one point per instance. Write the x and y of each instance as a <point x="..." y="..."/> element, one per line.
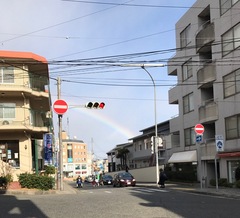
<point x="109" y="202"/>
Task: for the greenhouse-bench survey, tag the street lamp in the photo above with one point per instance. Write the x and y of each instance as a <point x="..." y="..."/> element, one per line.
<point x="143" y="66"/>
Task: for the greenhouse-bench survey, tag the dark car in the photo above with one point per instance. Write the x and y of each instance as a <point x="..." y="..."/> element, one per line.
<point x="123" y="179"/>
<point x="107" y="179"/>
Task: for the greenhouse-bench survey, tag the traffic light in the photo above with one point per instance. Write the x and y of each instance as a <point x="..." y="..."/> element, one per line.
<point x="152" y="144"/>
<point x="160" y="142"/>
<point x="101" y="105"/>
<point x="95" y="105"/>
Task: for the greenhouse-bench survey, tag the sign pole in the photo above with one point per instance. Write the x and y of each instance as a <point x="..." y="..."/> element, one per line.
<point x="199" y="130"/>
<point x="60" y="153"/>
<point x="199" y="162"/>
<point x="219" y="147"/>
<point x="216" y="175"/>
<point x="60" y="140"/>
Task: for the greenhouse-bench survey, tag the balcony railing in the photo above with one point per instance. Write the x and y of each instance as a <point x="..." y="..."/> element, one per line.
<point x="173" y="95"/>
<point x="26" y="118"/>
<point x="208" y="111"/>
<point x="208" y="149"/>
<point x="205" y="36"/>
<point x="206" y="74"/>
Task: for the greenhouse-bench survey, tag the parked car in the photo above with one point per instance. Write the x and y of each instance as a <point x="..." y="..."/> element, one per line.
<point x="107" y="179"/>
<point x="123" y="179"/>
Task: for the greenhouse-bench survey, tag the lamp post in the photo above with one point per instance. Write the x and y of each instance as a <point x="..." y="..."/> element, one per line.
<point x="143" y="66"/>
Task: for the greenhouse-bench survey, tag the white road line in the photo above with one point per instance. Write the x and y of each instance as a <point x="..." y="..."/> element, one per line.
<point x="150" y="190"/>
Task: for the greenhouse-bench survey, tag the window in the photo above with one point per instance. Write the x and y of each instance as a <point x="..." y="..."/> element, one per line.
<point x="232" y="127"/>
<point x="189" y="137"/>
<point x="9" y="152"/>
<point x="7" y="110"/>
<point x="77" y="167"/>
<point x="69" y="153"/>
<point x="225" y="5"/>
<point x="185" y="37"/>
<point x="231" y="40"/>
<point x="187" y="70"/>
<point x="231" y="83"/>
<point x="6" y="75"/>
<point x="188" y="103"/>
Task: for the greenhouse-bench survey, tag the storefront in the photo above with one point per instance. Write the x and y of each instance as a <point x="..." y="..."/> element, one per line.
<point x="232" y="162"/>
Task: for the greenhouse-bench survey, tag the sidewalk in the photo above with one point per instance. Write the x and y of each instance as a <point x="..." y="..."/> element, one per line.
<point x="195" y="188"/>
<point x="16" y="189"/>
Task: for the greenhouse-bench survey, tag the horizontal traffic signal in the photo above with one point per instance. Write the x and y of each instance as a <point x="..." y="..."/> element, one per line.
<point x="95" y="105"/>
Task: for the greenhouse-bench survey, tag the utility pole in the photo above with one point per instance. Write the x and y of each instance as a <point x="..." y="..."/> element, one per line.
<point x="60" y="173"/>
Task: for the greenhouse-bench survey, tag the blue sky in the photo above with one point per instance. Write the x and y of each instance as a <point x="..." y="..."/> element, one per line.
<point x="70" y="31"/>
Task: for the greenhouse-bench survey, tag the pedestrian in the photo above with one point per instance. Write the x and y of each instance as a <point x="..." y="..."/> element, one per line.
<point x="162" y="178"/>
<point x="79" y="182"/>
<point x="101" y="179"/>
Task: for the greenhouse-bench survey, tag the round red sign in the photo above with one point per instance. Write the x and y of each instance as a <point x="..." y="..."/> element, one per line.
<point x="60" y="106"/>
<point x="199" y="129"/>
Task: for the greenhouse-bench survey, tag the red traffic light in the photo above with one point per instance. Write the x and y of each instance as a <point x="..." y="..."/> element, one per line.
<point x="95" y="105"/>
<point x="101" y="105"/>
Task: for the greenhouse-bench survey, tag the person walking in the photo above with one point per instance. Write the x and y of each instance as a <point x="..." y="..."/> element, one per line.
<point x="162" y="178"/>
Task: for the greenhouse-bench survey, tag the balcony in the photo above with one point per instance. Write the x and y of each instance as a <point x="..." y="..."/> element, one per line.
<point x="173" y="95"/>
<point x="25" y="119"/>
<point x="208" y="149"/>
<point x="206" y="75"/>
<point x="204" y="37"/>
<point x="208" y="112"/>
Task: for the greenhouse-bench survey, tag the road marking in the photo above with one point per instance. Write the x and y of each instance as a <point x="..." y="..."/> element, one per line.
<point x="149" y="190"/>
<point x="108" y="192"/>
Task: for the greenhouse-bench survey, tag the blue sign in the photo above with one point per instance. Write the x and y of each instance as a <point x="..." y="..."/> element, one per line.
<point x="219" y="143"/>
<point x="198" y="138"/>
<point x="48" y="154"/>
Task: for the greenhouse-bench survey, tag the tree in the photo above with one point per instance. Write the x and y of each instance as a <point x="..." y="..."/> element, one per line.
<point x="122" y="154"/>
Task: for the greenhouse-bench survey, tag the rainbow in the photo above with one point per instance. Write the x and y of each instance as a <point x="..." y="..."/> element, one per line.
<point x="107" y="121"/>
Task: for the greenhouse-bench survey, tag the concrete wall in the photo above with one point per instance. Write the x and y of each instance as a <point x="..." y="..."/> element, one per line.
<point x="147" y="174"/>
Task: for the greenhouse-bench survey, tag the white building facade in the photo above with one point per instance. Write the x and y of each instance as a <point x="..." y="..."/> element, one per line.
<point x="207" y="68"/>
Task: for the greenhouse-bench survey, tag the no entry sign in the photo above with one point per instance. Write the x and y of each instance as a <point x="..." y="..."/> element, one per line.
<point x="60" y="107"/>
<point x="199" y="129"/>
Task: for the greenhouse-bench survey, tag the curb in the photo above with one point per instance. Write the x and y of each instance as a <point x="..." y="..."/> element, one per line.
<point x="27" y="192"/>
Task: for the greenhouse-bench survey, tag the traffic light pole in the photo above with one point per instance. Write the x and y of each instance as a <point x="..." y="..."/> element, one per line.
<point x="155" y="144"/>
<point x="143" y="65"/>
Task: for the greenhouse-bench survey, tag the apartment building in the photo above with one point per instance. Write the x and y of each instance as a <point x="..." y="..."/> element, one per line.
<point x="25" y="114"/>
<point x="75" y="157"/>
<point x="207" y="68"/>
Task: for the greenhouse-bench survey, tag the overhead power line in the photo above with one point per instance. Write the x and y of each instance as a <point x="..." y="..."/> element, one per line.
<point x="139" y="5"/>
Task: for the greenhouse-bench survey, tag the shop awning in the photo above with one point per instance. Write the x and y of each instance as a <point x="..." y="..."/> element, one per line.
<point x="229" y="154"/>
<point x="183" y="157"/>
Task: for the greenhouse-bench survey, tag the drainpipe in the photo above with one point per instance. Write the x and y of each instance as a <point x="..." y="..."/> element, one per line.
<point x="24" y="104"/>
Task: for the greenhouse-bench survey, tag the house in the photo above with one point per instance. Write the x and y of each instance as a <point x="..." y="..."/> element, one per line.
<point x="119" y="157"/>
<point x="140" y="152"/>
<point x="143" y="149"/>
<point x="207" y="68"/>
<point x="25" y="110"/>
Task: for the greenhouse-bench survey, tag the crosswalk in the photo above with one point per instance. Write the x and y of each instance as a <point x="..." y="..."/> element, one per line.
<point x="149" y="190"/>
<point x="135" y="189"/>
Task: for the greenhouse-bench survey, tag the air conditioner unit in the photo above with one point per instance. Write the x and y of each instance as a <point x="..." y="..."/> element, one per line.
<point x="5" y="122"/>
